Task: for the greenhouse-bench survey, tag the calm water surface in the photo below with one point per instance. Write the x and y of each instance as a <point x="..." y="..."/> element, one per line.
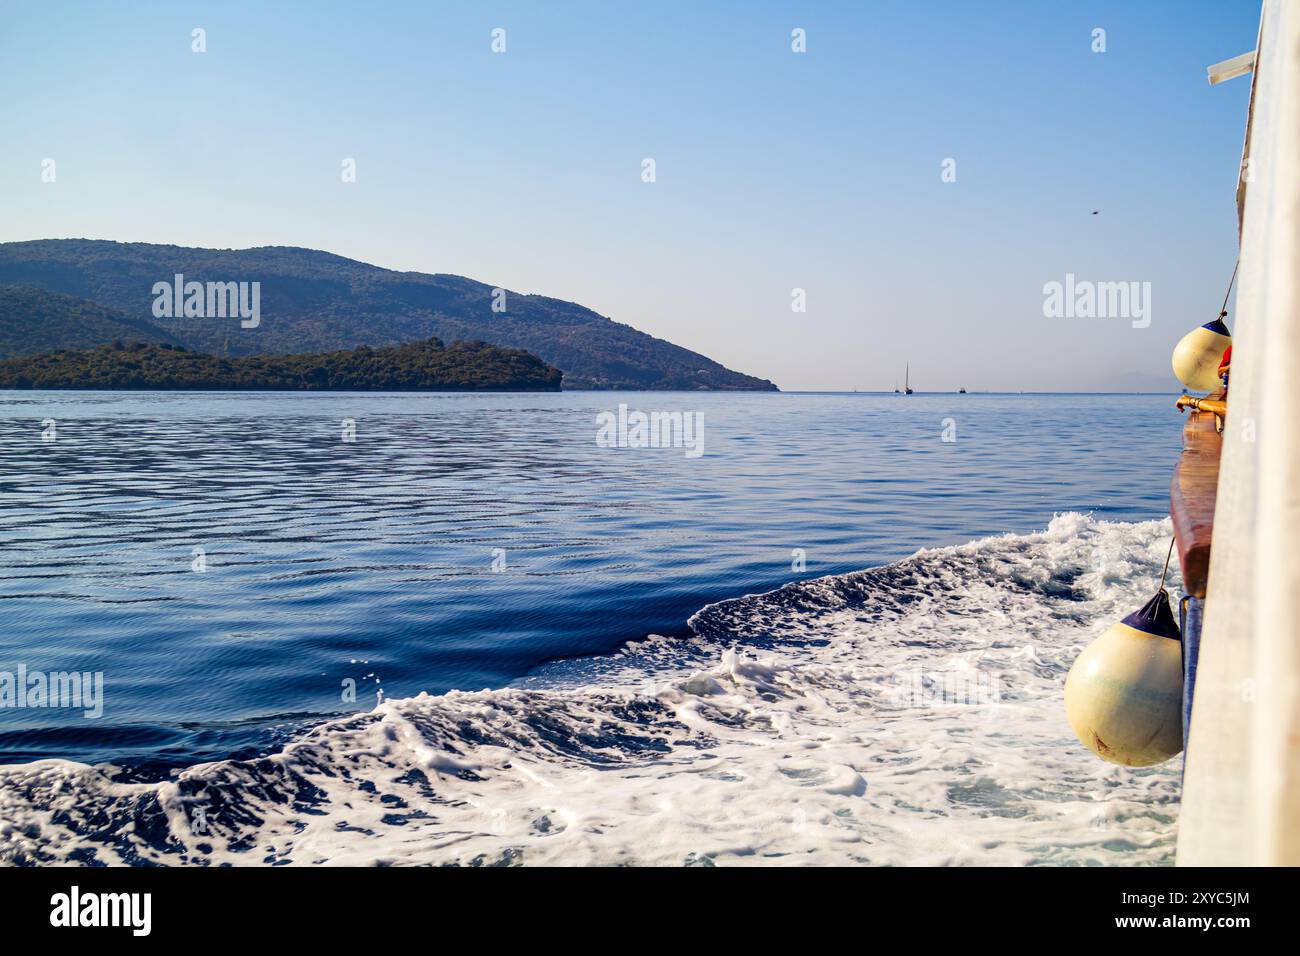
<point x="373" y="561"/>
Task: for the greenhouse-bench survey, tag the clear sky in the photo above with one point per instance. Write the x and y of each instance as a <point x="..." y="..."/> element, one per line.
<point x="775" y="170"/>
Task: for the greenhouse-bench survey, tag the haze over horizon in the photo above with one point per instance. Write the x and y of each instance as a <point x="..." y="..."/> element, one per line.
<point x="775" y="170"/>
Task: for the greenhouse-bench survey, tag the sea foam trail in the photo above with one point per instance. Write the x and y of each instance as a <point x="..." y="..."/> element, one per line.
<point x="908" y="714"/>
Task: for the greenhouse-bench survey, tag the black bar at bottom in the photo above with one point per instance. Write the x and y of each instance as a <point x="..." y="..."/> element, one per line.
<point x="335" y="905"/>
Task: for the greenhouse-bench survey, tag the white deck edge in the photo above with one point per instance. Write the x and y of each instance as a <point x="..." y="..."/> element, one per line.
<point x="1241" y="789"/>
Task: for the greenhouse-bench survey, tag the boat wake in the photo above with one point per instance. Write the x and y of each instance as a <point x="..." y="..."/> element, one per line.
<point x="907" y="714"/>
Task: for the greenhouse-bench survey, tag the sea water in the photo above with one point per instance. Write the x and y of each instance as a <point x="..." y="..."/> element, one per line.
<point x="405" y="629"/>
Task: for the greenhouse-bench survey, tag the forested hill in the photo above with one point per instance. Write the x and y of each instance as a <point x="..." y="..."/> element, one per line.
<point x="416" y="366"/>
<point x="33" y="320"/>
<point x="314" y="301"/>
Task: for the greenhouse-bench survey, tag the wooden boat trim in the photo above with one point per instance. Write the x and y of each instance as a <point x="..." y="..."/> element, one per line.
<point x="1192" y="494"/>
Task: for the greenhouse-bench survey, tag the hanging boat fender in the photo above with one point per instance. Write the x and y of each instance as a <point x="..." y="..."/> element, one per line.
<point x="1196" y="357"/>
<point x="1123" y="696"/>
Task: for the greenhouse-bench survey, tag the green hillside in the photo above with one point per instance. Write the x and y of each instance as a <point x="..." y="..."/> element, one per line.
<point x="314" y="301"/>
<point x="33" y="320"/>
<point x="416" y="366"/>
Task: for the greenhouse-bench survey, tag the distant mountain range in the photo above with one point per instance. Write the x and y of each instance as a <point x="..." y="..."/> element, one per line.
<point x="313" y="302"/>
<point x="425" y="366"/>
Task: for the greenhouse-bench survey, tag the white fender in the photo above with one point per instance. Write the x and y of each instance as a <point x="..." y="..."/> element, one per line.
<point x="1124" y="694"/>
<point x="1196" y="356"/>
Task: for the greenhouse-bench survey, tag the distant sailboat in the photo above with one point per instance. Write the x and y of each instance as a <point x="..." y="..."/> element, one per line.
<point x="907" y="379"/>
<point x="896" y="392"/>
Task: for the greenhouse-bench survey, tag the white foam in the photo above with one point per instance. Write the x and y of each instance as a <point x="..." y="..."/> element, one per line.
<point x="821" y="729"/>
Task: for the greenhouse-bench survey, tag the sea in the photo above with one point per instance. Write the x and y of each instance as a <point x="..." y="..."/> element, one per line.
<point x="659" y="628"/>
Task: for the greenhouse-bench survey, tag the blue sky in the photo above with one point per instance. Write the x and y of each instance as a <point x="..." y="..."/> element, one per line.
<point x="775" y="170"/>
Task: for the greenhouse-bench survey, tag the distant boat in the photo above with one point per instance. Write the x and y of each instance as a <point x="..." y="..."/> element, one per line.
<point x="907" y="379"/>
<point x="896" y="392"/>
<point x="961" y="391"/>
